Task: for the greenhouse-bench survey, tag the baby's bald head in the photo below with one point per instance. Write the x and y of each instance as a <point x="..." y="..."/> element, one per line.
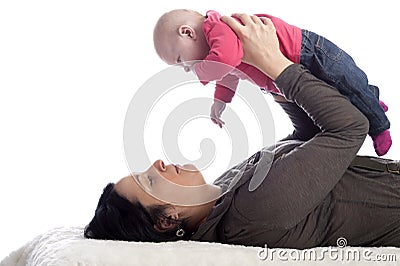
<point x="167" y="29"/>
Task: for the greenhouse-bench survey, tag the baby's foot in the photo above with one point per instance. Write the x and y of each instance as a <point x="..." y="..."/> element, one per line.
<point x="382" y="142"/>
<point x="384" y="106"/>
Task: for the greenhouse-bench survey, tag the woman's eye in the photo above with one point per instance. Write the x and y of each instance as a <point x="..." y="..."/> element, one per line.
<point x="179" y="60"/>
<point x="145" y="181"/>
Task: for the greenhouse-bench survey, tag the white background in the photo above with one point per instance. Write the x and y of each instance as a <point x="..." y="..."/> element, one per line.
<point x="68" y="70"/>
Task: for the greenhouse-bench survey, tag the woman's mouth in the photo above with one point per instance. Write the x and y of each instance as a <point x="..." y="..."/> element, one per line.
<point x="176" y="169"/>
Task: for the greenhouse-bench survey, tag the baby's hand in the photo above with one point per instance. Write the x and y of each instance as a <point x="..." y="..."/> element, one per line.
<point x="216" y="110"/>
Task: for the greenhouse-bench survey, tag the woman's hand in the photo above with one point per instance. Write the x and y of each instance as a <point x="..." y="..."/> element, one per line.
<point x="260" y="43"/>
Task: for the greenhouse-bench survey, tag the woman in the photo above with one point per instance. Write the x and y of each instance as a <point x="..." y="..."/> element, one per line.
<point x="311" y="195"/>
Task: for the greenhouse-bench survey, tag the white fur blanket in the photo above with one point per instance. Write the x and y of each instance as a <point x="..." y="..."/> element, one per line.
<point x="67" y="246"/>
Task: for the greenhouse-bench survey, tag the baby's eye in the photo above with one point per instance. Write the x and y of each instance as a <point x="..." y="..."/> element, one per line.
<point x="150" y="180"/>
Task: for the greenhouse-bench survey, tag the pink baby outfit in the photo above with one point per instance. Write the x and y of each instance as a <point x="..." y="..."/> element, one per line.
<point x="225" y="48"/>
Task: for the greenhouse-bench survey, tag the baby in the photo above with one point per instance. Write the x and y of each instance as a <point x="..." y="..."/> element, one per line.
<point x="181" y="36"/>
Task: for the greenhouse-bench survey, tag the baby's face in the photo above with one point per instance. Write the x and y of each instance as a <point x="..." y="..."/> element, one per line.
<point x="181" y="49"/>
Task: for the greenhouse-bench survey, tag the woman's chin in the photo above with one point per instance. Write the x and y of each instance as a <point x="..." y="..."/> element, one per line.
<point x="189" y="167"/>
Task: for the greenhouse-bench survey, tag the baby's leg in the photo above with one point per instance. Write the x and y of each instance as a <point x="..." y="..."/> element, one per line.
<point x="333" y="65"/>
<point x="382" y="142"/>
<point x="384" y="106"/>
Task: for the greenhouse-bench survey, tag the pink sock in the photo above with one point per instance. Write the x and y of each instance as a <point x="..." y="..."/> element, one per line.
<point x="382" y="142"/>
<point x="384" y="106"/>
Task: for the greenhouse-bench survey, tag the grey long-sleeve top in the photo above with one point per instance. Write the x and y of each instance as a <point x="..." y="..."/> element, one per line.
<point x="309" y="197"/>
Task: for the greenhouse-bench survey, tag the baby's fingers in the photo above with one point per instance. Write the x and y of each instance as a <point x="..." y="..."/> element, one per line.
<point x="215" y="121"/>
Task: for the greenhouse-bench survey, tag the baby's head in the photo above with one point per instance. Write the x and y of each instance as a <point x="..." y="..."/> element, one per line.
<point x="178" y="37"/>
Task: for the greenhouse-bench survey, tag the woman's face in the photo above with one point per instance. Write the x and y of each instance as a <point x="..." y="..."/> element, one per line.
<point x="159" y="179"/>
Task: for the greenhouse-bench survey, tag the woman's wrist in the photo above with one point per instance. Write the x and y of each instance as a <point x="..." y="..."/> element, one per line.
<point x="274" y="66"/>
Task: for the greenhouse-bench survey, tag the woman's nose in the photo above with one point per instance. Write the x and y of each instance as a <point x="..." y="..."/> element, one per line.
<point x="159" y="164"/>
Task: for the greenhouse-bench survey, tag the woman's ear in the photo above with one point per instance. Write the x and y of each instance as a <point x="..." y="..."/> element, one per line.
<point x="165" y="224"/>
<point x="186" y="30"/>
<point x="168" y="221"/>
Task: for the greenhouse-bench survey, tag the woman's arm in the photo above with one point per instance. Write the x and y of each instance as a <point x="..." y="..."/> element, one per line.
<point x="300" y="179"/>
<point x="304" y="127"/>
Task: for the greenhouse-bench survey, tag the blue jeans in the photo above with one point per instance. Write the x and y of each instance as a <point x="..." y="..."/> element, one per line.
<point x="331" y="64"/>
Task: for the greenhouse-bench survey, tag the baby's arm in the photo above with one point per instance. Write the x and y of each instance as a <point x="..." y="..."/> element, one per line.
<point x="224" y="92"/>
<point x="225" y="89"/>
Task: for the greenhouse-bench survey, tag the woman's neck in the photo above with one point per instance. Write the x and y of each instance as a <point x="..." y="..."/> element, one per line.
<point x="197" y="215"/>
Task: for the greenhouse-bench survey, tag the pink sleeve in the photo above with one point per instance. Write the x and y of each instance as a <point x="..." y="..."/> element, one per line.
<point x="225" y="48"/>
<point x="226" y="88"/>
<point x="271" y="87"/>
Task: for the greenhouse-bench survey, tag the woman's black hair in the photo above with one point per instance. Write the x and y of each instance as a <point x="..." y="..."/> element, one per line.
<point x="116" y="218"/>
